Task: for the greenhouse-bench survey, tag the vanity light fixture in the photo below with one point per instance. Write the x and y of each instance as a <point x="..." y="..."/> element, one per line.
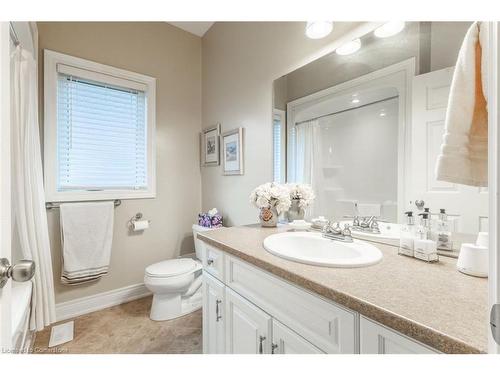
<point x="318" y="29"/>
<point x="389" y="29"/>
<point x="349" y="47"/>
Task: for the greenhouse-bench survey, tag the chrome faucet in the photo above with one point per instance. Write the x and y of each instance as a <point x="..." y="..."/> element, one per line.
<point x="366" y="224"/>
<point x="336" y="233"/>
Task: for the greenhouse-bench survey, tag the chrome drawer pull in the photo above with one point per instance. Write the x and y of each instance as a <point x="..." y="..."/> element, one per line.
<point x="217" y="316"/>
<point x="261" y="340"/>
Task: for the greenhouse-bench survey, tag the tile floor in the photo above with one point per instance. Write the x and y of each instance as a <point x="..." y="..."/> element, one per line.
<point x="127" y="329"/>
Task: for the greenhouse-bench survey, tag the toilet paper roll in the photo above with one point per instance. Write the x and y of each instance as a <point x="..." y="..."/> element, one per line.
<point x="140" y="225"/>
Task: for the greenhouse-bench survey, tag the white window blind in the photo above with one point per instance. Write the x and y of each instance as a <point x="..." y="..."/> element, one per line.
<point x="101" y="135"/>
<point x="277" y="148"/>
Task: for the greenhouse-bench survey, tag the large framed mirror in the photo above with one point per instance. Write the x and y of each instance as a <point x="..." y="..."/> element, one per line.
<point x="364" y="125"/>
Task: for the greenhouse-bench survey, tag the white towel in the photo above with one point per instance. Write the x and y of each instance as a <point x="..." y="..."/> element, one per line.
<point x="368" y="209"/>
<point x="86" y="237"/>
<point x="464" y="152"/>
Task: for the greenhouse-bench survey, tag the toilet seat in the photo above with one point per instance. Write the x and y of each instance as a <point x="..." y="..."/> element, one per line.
<point x="172" y="267"/>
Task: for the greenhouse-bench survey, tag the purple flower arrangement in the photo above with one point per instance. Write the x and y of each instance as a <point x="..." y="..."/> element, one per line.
<point x="210" y="219"/>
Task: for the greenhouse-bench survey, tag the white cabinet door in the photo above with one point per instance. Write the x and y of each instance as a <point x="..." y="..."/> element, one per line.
<point x="467" y="206"/>
<point x="213" y="315"/>
<point x="377" y="339"/>
<point x="248" y="328"/>
<point x="329" y="326"/>
<point x="286" y="341"/>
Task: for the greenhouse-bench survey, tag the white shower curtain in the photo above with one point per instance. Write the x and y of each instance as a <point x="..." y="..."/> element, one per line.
<point x="308" y="161"/>
<point x="28" y="193"/>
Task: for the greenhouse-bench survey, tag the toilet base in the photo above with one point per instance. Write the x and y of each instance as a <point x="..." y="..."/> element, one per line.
<point x="170" y="306"/>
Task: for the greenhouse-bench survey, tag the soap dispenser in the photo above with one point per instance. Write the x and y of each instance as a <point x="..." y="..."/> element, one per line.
<point x="425" y="225"/>
<point x="409" y="226"/>
<point x="406" y="241"/>
<point x="425" y="248"/>
<point x="443" y="234"/>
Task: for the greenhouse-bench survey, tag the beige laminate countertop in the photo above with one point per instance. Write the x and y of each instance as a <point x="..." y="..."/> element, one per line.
<point x="430" y="302"/>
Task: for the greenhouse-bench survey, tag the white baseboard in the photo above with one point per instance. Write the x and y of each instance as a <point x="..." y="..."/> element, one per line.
<point x="85" y="305"/>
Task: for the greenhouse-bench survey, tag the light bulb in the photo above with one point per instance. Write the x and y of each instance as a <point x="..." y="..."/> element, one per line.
<point x="389" y="29"/>
<point x="349" y="47"/>
<point x="318" y="29"/>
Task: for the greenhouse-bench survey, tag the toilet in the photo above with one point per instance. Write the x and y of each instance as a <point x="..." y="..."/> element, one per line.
<point x="176" y="283"/>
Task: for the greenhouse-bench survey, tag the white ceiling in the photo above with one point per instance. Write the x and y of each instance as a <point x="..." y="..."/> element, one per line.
<point x="196" y="28"/>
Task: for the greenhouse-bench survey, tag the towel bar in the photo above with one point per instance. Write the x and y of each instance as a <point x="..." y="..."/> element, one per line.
<point x="54" y="205"/>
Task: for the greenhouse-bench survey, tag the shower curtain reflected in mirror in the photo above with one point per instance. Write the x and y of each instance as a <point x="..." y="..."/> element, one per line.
<point x="307" y="168"/>
<point x="351" y="159"/>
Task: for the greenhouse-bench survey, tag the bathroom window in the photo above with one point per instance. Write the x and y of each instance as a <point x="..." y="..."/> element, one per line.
<point x="279" y="155"/>
<point x="99" y="131"/>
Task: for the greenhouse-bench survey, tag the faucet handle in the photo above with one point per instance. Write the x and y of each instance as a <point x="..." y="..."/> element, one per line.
<point x="347" y="233"/>
<point x="327" y="227"/>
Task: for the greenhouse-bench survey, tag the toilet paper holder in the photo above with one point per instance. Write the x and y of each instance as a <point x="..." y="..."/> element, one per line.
<point x="136" y="217"/>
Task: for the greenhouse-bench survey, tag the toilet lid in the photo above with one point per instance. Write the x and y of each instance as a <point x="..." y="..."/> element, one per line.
<point x="171" y="267"/>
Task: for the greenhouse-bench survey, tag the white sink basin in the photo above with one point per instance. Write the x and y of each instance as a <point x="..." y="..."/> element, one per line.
<point x="312" y="248"/>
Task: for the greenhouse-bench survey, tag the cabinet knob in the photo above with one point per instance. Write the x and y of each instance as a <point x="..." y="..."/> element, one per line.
<point x="210" y="262"/>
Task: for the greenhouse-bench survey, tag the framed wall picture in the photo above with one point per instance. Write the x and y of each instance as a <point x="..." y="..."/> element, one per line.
<point x="210" y="153"/>
<point x="232" y="152"/>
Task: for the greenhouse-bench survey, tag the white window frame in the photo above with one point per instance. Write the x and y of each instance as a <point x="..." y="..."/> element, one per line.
<point x="51" y="61"/>
<point x="282" y="115"/>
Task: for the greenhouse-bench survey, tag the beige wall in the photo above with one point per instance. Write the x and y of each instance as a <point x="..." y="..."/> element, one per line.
<point x="240" y="62"/>
<point x="174" y="58"/>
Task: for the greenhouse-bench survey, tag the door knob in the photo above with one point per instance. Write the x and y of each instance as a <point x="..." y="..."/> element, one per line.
<point x="21" y="271"/>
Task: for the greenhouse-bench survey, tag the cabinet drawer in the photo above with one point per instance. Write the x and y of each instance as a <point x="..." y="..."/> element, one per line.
<point x="378" y="339"/>
<point x="213" y="262"/>
<point x="328" y="326"/>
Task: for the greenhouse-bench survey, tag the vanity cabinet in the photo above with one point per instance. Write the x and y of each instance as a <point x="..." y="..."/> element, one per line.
<point x="286" y="341"/>
<point x="213" y="262"/>
<point x="248" y="310"/>
<point x="248" y="328"/>
<point x="213" y="315"/>
<point x="377" y="339"/>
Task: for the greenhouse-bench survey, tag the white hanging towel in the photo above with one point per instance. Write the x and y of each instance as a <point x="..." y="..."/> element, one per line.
<point x="86" y="238"/>
<point x="464" y="152"/>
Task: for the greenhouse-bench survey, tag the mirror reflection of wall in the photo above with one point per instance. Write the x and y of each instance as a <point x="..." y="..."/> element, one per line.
<point x="357" y="127"/>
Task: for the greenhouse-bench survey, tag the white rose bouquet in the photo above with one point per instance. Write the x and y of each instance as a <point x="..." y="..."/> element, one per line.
<point x="303" y="193"/>
<point x="271" y="195"/>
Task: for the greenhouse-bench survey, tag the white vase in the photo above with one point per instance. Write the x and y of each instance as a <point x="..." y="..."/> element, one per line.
<point x="268" y="217"/>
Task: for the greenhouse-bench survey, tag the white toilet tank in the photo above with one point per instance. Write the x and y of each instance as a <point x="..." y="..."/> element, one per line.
<point x="198" y="244"/>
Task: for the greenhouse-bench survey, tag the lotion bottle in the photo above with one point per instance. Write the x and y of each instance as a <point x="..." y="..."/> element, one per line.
<point x="406" y="241"/>
<point x="443" y="234"/>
